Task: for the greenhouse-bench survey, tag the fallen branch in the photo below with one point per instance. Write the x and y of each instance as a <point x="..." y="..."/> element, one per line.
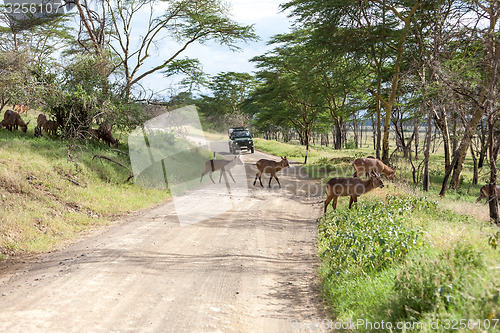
<point x="119" y="151"/>
<point x="129" y="178"/>
<point x="100" y="157"/>
<point x="73" y="181"/>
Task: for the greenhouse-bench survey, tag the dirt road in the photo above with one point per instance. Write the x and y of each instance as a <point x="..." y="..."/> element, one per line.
<point x="251" y="269"/>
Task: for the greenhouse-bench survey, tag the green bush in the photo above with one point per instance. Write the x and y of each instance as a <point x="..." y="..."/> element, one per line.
<point x="370" y="237"/>
<point x="377" y="268"/>
<point x="432" y="285"/>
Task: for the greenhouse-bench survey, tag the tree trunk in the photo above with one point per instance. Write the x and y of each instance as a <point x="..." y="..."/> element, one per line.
<point x="361" y="135"/>
<point x="379" y="129"/>
<point x="387" y="130"/>
<point x="493" y="149"/>
<point x="338" y="133"/>
<point x="442" y="122"/>
<point x="416" y="135"/>
<point x="307" y="135"/>
<point x="483" y="138"/>
<point x="374" y="133"/>
<point x="454" y="139"/>
<point x="426" y="179"/>
<point x="475" y="175"/>
<point x="459" y="156"/>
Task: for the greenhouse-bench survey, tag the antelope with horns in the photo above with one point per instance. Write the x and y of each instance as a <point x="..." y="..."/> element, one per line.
<point x="350" y="187"/>
<point x="364" y="166"/>
<point x="484" y="192"/>
<point x="222" y="165"/>
<point x="271" y="167"/>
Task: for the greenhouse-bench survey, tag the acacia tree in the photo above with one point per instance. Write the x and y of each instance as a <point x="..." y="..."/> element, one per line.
<point x="480" y="88"/>
<point x="28" y="51"/>
<point x="364" y="17"/>
<point x="491" y="10"/>
<point x="230" y="90"/>
<point x="289" y="80"/>
<point x="184" y="21"/>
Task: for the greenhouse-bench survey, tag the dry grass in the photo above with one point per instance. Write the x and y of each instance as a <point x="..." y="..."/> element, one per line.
<point x="46" y="201"/>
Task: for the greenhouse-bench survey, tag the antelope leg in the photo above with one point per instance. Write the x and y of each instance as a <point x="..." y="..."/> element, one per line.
<point x="230" y="174"/>
<point x="210" y="175"/>
<point x="277" y="180"/>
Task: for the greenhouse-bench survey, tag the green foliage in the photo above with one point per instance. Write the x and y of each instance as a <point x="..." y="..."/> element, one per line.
<point x="494" y="239"/>
<point x="350" y="144"/>
<point x="434" y="285"/>
<point x="280" y="149"/>
<point x="370" y="237"/>
<point x="378" y="266"/>
<point x="230" y="90"/>
<point x="15" y="80"/>
<point x="83" y="95"/>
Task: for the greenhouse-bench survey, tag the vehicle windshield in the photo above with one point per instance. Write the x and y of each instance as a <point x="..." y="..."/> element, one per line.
<point x="241" y="134"/>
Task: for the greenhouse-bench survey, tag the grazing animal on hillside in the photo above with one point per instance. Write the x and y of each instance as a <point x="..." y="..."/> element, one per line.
<point x="12" y="120"/>
<point x="8" y="120"/>
<point x="222" y="165"/>
<point x="41" y="120"/>
<point x="105" y="133"/>
<point x="484" y="192"/>
<point x="271" y="167"/>
<point x="40" y="124"/>
<point x="108" y="138"/>
<point x="21" y="108"/>
<point x="364" y="166"/>
<point x="105" y="128"/>
<point x="51" y="126"/>
<point x="353" y="187"/>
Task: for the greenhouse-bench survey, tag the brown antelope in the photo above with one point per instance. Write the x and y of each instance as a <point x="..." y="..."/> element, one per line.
<point x="51" y="126"/>
<point x="21" y="108"/>
<point x="353" y="187"/>
<point x="40" y="124"/>
<point x="484" y="192"/>
<point x="105" y="133"/>
<point x="222" y="165"/>
<point x="268" y="166"/>
<point x="364" y="166"/>
<point x="12" y="120"/>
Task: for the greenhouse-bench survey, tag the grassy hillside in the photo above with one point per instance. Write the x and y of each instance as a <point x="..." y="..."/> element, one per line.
<point x="411" y="260"/>
<point x="49" y="194"/>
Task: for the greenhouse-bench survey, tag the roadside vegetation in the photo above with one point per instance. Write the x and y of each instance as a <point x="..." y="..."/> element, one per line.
<point x="421" y="76"/>
<point x="88" y="82"/>
<point x="403" y="255"/>
<point x="51" y="192"/>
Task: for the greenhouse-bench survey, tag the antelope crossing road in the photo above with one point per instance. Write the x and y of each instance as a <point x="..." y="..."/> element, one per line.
<point x="251" y="269"/>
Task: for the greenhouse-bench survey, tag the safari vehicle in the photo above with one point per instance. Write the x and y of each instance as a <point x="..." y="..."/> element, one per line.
<point x="240" y="139"/>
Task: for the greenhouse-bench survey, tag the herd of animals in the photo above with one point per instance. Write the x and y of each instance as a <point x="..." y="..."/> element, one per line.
<point x="12" y="120"/>
<point x="336" y="187"/>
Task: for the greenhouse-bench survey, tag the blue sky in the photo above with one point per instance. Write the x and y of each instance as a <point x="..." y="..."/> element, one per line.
<point x="268" y="21"/>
